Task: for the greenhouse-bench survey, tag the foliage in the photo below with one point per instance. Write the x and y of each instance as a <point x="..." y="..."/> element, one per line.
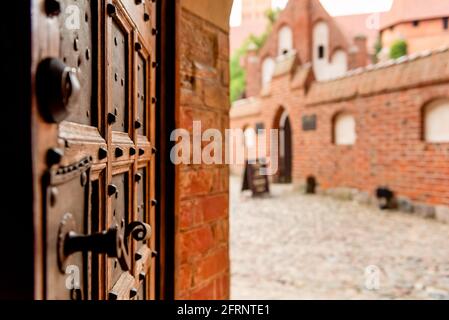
<point x="272" y="15"/>
<point x="377" y="50"/>
<point x="238" y="74"/>
<point x="398" y="49"/>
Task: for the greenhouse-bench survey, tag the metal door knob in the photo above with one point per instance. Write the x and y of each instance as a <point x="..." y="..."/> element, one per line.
<point x="58" y="89"/>
<point x="113" y="242"/>
<point x="109" y="242"/>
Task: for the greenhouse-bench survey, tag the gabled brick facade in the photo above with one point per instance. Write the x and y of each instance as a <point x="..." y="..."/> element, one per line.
<point x="301" y="16"/>
<point x="387" y="101"/>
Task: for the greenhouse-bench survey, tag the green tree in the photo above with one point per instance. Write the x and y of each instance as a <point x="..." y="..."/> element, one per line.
<point x="238" y="75"/>
<point x="398" y="49"/>
<point x="272" y="15"/>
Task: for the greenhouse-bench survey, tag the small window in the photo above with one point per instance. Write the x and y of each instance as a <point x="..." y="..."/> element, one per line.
<point x="446" y="23"/>
<point x="436" y="119"/>
<point x="416" y="23"/>
<point x="345" y="130"/>
<point x="321" y="52"/>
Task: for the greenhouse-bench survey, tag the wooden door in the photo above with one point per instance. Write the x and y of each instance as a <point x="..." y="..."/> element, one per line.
<point x="95" y="148"/>
<point x="285" y="150"/>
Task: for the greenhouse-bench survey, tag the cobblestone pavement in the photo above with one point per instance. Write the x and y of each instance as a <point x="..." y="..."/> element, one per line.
<point x="293" y="246"/>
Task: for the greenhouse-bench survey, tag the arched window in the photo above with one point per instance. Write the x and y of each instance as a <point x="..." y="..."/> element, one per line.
<point x="321" y="51"/>
<point x="285" y="40"/>
<point x="268" y="66"/>
<point x="321" y="40"/>
<point x="250" y="137"/>
<point x="345" y="130"/>
<point x="436" y="121"/>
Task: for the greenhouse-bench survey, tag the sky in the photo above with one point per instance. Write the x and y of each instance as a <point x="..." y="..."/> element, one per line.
<point x="334" y="7"/>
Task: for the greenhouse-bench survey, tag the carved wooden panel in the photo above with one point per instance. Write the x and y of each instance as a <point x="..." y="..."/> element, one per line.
<point x="67" y="209"/>
<point x="120" y="205"/>
<point x="142" y="200"/>
<point x="142" y="95"/>
<point x="119" y="78"/>
<point x="108" y="45"/>
<point x="77" y="29"/>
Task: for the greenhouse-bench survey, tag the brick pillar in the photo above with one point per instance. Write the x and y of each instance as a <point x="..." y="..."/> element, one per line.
<point x="359" y="57"/>
<point x="252" y="66"/>
<point x="202" y="264"/>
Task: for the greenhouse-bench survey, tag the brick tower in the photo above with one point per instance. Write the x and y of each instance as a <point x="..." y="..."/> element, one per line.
<point x="253" y="21"/>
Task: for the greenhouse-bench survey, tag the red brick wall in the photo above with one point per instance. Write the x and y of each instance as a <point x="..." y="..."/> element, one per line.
<point x="360" y="57"/>
<point x="202" y="201"/>
<point x="428" y="35"/>
<point x="389" y="150"/>
<point x="253" y="68"/>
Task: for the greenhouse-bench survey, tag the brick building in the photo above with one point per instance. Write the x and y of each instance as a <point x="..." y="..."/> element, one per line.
<point x="252" y="21"/>
<point x="344" y="123"/>
<point x="424" y="25"/>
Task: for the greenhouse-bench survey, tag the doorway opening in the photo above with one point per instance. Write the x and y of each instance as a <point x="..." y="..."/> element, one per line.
<point x="282" y="123"/>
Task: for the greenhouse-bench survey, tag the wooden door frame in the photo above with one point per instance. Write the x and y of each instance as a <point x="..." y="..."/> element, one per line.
<point x="165" y="185"/>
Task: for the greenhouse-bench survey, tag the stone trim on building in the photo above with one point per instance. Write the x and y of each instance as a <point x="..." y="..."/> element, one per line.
<point x="426" y="68"/>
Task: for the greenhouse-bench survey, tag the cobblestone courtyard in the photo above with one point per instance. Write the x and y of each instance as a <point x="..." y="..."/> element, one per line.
<point x="292" y="246"/>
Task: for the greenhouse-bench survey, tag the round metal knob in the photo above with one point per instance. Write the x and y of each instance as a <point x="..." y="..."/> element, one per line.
<point x="58" y="89"/>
